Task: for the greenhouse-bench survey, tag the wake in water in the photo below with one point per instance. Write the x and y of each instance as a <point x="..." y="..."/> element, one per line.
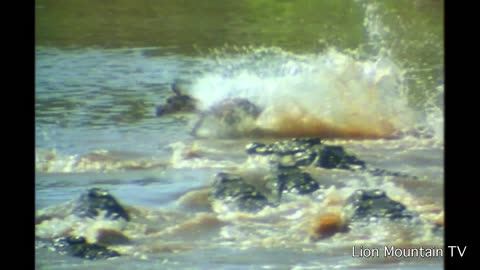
<point x="328" y="95"/>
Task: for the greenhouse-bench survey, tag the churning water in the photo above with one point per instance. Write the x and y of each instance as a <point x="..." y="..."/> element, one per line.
<point x="367" y="75"/>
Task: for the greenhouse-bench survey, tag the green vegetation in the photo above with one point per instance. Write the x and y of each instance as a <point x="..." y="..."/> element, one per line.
<point x="189" y="26"/>
<point x="411" y="31"/>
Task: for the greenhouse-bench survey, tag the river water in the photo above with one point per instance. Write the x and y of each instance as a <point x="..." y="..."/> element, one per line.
<point x="367" y="75"/>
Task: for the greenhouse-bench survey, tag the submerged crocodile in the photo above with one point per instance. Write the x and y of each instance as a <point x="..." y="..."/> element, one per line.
<point x="287" y="157"/>
<point x="312" y="152"/>
<point x="98" y="201"/>
<point x="306" y="152"/>
<point x="286" y="176"/>
<point x="77" y="246"/>
<point x="362" y="206"/>
<point x="365" y="204"/>
<point x="92" y="204"/>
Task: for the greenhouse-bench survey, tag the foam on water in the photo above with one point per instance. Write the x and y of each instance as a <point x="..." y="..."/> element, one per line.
<point x="50" y="161"/>
<point x="194" y="157"/>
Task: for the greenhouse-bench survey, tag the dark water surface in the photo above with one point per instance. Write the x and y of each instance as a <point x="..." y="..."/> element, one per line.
<point x="353" y="71"/>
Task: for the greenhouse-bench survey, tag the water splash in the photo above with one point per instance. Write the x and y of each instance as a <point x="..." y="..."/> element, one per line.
<point x="50" y="161"/>
<point x="330" y="95"/>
